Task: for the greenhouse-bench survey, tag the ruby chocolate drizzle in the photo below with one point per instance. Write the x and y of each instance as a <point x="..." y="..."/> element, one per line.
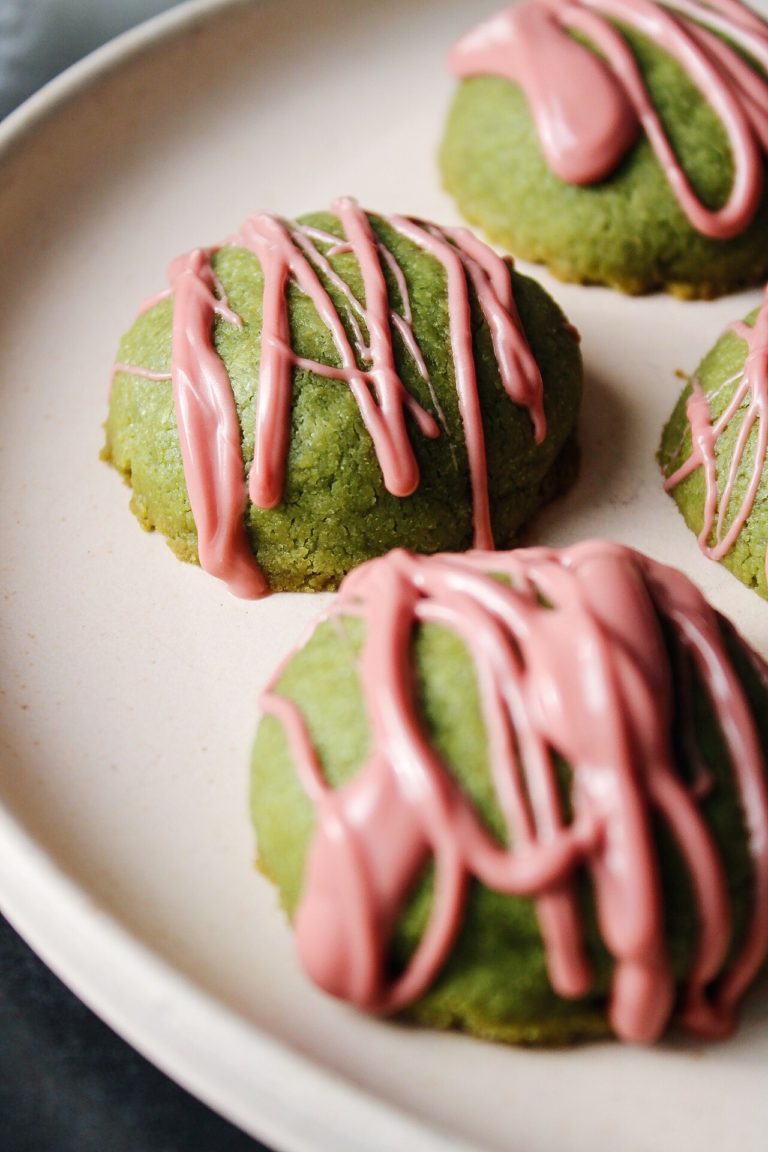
<point x="749" y="403"/>
<point x="363" y="338"/>
<point x="569" y="658"/>
<point x="590" y="108"/>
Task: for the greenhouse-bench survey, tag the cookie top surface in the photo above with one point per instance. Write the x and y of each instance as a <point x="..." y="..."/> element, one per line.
<point x="619" y="142"/>
<point x="409" y="356"/>
<point x="713" y="450"/>
<point x="573" y="657"/>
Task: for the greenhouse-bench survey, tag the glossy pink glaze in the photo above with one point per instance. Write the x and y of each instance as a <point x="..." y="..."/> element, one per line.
<point x="209" y="429"/>
<point x="749" y="402"/>
<point x="293" y="255"/>
<point x="570" y="660"/>
<point x="588" y="110"/>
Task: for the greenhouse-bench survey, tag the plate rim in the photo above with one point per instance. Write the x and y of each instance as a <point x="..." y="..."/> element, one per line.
<point x="49" y="909"/>
<point x="121" y="49"/>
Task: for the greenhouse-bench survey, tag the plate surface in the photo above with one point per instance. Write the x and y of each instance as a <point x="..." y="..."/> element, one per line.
<point x="129" y="682"/>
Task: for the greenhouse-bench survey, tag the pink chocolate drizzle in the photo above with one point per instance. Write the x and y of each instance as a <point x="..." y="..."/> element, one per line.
<point x="588" y="109"/>
<point x="293" y="254"/>
<point x="749" y="402"/>
<point x="570" y="660"/>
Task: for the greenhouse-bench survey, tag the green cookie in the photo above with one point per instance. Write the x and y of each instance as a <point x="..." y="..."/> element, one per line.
<point x="627" y="230"/>
<point x="719" y="376"/>
<point x="335" y="510"/>
<point x="495" y="982"/>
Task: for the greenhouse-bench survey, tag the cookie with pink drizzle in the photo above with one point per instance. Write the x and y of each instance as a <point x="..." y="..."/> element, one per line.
<point x="620" y="142"/>
<point x="523" y="794"/>
<point x="713" y="451"/>
<point x="313" y="393"/>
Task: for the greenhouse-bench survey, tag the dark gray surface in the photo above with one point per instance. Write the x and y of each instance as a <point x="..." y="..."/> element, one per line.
<point x="69" y="1084"/>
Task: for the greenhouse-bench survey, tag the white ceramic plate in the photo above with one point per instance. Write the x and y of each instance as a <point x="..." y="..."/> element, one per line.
<point x="129" y="681"/>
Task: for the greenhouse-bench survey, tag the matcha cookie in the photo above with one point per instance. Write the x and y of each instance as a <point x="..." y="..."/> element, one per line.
<point x="619" y="143"/>
<point x="713" y="451"/>
<point x="314" y="393"/>
<point x="522" y="794"/>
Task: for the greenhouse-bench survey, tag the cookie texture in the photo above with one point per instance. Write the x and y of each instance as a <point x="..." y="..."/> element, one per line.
<point x="713" y="452"/>
<point x="417" y="811"/>
<point x="333" y="505"/>
<point x="627" y="228"/>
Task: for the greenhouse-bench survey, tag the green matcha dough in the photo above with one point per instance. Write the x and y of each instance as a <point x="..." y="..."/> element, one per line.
<point x="627" y="230"/>
<point x="719" y="377"/>
<point x="495" y="982"/>
<point x="335" y="510"/>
